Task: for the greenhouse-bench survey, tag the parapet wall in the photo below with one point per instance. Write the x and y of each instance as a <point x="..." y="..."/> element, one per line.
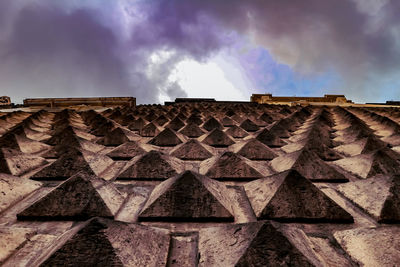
<point x="90" y="101"/>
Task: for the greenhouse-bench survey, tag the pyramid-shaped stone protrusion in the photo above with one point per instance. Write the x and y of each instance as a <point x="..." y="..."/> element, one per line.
<point x="14" y="188"/>
<point x="288" y="196"/>
<point x="188" y="197"/>
<point x="151" y="116"/>
<point x="192" y="130"/>
<point x="67" y="136"/>
<point x="322" y="150"/>
<point x="137" y="125"/>
<point x="227" y="122"/>
<point x="161" y="120"/>
<point x="100" y="126"/>
<point x="116" y="137"/>
<point x="176" y="124"/>
<point x="236" y="132"/>
<point x="372" y="143"/>
<point x="249" y="125"/>
<point x="191" y="150"/>
<point x="73" y="161"/>
<point x="374" y="163"/>
<point x="212" y="124"/>
<point x="17" y="163"/>
<point x="80" y="197"/>
<point x="194" y="118"/>
<point x="270" y="139"/>
<point x="362" y="146"/>
<point x="109" y="243"/>
<point x="309" y="165"/>
<point x="150" y="130"/>
<point x="378" y="196"/>
<point x="22" y="143"/>
<point x="166" y="138"/>
<point x="238" y="118"/>
<point x="262" y="243"/>
<point x="126" y="151"/>
<point x="231" y="166"/>
<point x="152" y="165"/>
<point x="218" y="138"/>
<point x="255" y="150"/>
<point x="266" y="118"/>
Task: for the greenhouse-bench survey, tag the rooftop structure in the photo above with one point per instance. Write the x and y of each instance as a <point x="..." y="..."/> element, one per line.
<point x="200" y="184"/>
<point x="75" y="101"/>
<point x="268" y="98"/>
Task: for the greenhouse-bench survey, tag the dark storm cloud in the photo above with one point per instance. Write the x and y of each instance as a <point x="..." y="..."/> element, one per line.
<point x="359" y="40"/>
<point x="74" y="48"/>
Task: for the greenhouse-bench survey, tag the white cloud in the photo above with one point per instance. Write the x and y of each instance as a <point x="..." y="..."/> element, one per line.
<point x="207" y="80"/>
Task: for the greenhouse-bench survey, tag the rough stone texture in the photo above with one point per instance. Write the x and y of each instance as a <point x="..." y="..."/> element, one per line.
<point x="13" y="189"/>
<point x="229" y="165"/>
<point x="78" y="198"/>
<point x="255" y="150"/>
<point x="308" y="164"/>
<point x="11" y="239"/>
<point x="166" y="138"/>
<point x="72" y="162"/>
<point x="109" y="243"/>
<point x="253" y="244"/>
<point x="218" y="138"/>
<point x="236" y="132"/>
<point x="288" y="196"/>
<point x="189" y="197"/>
<point x="346" y="157"/>
<point x="126" y="151"/>
<point x="192" y="150"/>
<point x="192" y="130"/>
<point x="153" y="164"/>
<point x="379" y="196"/>
<point x="372" y="246"/>
<point x="17" y="163"/>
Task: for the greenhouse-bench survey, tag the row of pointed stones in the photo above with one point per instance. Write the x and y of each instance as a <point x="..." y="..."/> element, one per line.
<point x="190" y="196"/>
<point x="114" y="243"/>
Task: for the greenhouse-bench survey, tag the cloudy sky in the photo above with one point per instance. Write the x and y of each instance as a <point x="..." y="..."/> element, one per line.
<point x="158" y="50"/>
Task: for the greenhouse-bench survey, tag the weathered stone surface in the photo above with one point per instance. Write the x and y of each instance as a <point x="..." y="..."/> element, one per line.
<point x="372" y="246"/>
<point x="166" y="138"/>
<point x="379" y="196"/>
<point x="11" y="239"/>
<point x="236" y="132"/>
<point x="212" y="124"/>
<point x="229" y="165"/>
<point x="116" y="137"/>
<point x="370" y="164"/>
<point x="255" y="150"/>
<point x="78" y="198"/>
<point x="101" y="242"/>
<point x="218" y="138"/>
<point x="249" y="126"/>
<point x="72" y="162"/>
<point x="17" y="163"/>
<point x="288" y="196"/>
<point x="188" y="197"/>
<point x="270" y="139"/>
<point x="152" y="165"/>
<point x="309" y="165"/>
<point x="192" y="130"/>
<point x="13" y="189"/>
<point x="150" y="130"/>
<point x="255" y="244"/>
<point x="191" y="150"/>
<point x="176" y="124"/>
<point x="126" y="151"/>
